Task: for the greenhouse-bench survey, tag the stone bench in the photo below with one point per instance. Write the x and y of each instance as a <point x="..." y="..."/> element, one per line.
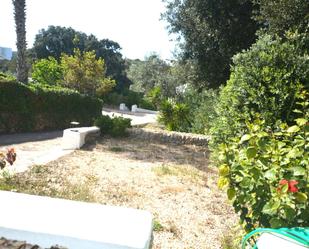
<point x="76" y="225"/>
<point x="75" y="138"/>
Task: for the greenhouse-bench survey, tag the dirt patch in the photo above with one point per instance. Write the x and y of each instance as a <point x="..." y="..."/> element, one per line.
<point x="173" y="182"/>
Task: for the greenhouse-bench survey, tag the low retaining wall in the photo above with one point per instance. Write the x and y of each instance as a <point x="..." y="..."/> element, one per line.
<point x="169" y="136"/>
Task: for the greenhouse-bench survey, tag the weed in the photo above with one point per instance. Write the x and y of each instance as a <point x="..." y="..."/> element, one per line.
<point x="157" y="227"/>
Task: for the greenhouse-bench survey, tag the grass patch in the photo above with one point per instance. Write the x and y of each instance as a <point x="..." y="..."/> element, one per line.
<point x="116" y="149"/>
<point x="37" y="181"/>
<point x="178" y="171"/>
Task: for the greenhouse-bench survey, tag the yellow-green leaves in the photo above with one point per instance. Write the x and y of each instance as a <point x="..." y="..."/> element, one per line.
<point x="245" y="137"/>
<point x="251" y="152"/>
<point x="301" y="197"/>
<point x="293" y="129"/>
<point x="223" y="182"/>
<point x="301" y="121"/>
<point x="224" y="170"/>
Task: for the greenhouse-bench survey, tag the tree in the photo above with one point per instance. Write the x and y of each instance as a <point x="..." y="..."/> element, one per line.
<point x="47" y="71"/>
<point x="86" y="74"/>
<point x="150" y="73"/>
<point x="57" y="40"/>
<point x="278" y="16"/>
<point x="20" y="22"/>
<point x="212" y="31"/>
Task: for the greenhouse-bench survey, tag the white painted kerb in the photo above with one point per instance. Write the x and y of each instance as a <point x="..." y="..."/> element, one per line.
<point x="77" y="225"/>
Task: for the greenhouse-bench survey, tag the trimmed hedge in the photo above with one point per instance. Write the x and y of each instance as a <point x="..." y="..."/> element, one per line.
<point x="36" y="108"/>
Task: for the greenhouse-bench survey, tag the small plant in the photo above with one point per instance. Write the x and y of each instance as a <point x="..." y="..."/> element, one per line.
<point x="175" y="116"/>
<point x="157" y="227"/>
<point x="8" y="158"/>
<point x="116" y="127"/>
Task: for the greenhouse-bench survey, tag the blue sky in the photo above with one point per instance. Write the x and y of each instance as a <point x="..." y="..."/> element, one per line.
<point x="134" y="24"/>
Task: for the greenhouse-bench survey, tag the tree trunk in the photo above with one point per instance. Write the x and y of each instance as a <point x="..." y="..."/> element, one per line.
<point x="20" y="22"/>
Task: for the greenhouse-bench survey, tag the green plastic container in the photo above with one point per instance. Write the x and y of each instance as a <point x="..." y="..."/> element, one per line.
<point x="262" y="238"/>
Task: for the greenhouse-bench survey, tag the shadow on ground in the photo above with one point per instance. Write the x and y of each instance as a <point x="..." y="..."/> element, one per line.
<point x="154" y="151"/>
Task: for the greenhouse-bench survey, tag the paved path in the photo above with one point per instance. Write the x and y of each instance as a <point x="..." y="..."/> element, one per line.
<point x="43" y="147"/>
<point x="33" y="148"/>
<point x="137" y="118"/>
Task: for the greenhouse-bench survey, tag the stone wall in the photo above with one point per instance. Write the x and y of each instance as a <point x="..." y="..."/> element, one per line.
<point x="169" y="136"/>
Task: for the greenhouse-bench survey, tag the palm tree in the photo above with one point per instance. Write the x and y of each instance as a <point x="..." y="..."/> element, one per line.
<point x="20" y="22"/>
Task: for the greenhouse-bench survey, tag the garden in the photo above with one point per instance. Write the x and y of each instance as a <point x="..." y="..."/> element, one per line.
<point x="241" y="79"/>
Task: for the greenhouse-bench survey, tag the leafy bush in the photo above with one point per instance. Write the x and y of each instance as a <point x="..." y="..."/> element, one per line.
<point x="116" y="127"/>
<point x="37" y="108"/>
<point x="264" y="79"/>
<point x="175" y="116"/>
<point x="266" y="172"/>
<point x="7" y="78"/>
<point x="202" y="109"/>
<point x="47" y="71"/>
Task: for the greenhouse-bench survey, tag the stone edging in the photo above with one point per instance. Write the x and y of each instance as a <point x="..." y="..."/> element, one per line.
<point x="169" y="136"/>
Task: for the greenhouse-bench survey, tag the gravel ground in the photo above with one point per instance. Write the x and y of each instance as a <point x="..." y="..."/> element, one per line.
<point x="173" y="182"/>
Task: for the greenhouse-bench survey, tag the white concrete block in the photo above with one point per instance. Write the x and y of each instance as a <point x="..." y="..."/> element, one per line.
<point x="74" y="138"/>
<point x="76" y="225"/>
<point x="123" y="107"/>
<point x="134" y="108"/>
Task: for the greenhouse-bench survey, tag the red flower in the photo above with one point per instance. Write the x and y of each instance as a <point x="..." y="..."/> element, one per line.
<point x="291" y="185"/>
<point x="11" y="156"/>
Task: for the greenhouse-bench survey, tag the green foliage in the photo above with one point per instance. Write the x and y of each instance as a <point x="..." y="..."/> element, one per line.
<point x="157" y="227"/>
<point x="47" y="71"/>
<point x="116" y="126"/>
<point x="266" y="172"/>
<point x="105" y="123"/>
<point x="175" y="116"/>
<point x="84" y="73"/>
<point x="202" y="109"/>
<point x="56" y="40"/>
<point x="155" y="97"/>
<point x="281" y="15"/>
<point x="130" y="98"/>
<point x="37" y="108"/>
<point x="212" y="31"/>
<point x="154" y="72"/>
<point x="264" y="79"/>
<point x="7" y="78"/>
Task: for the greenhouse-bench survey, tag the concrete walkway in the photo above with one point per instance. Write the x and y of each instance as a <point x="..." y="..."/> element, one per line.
<point x="137" y="118"/>
<point x="33" y="148"/>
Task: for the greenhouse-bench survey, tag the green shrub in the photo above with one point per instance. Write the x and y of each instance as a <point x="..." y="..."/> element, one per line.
<point x="120" y="125"/>
<point x="175" y="116"/>
<point x="264" y="79"/>
<point x="7" y="78"/>
<point x="116" y="126"/>
<point x="37" y="108"/>
<point x="266" y="172"/>
<point x="105" y="123"/>
<point x="202" y="109"/>
<point x="47" y="71"/>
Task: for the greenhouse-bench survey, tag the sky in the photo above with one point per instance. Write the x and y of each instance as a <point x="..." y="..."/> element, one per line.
<point x="134" y="24"/>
